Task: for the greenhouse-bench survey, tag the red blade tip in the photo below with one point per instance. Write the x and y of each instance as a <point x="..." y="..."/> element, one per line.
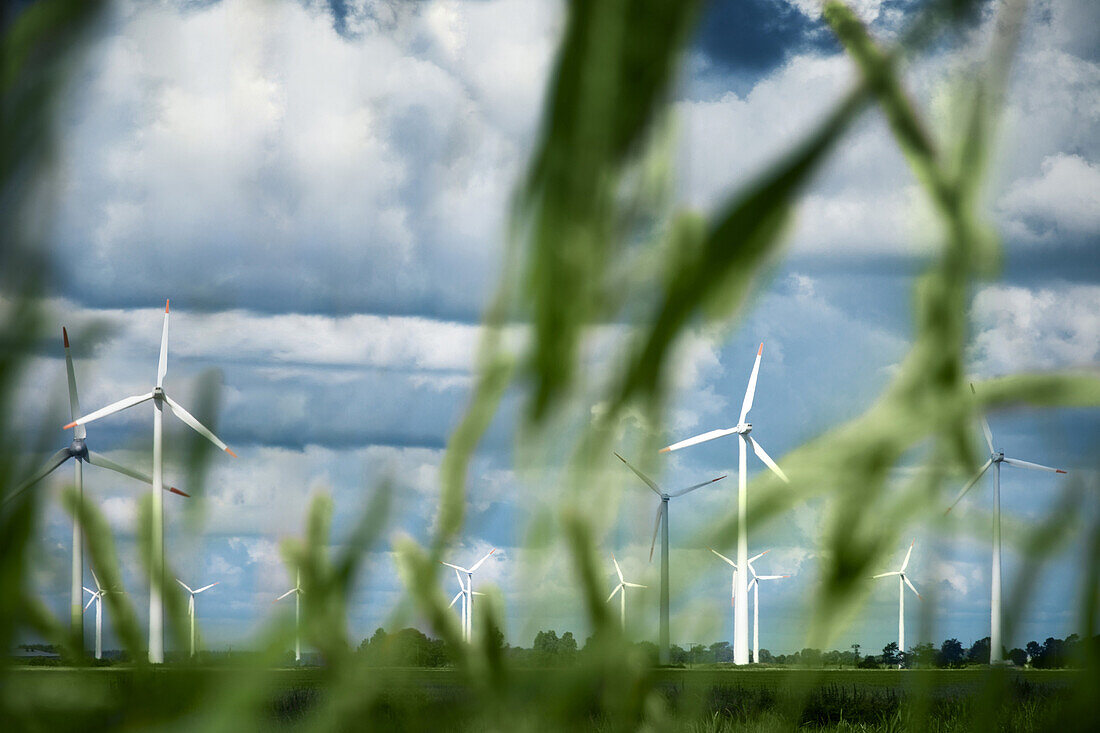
<point x="1058" y="470"/>
<point x="174" y="490"/>
<point x="663" y="450"/>
<point x="65" y="335"/>
<point x="231" y="453"/>
<point x="70" y="425"/>
<point x="166" y="305"/>
<point x="761" y="349"/>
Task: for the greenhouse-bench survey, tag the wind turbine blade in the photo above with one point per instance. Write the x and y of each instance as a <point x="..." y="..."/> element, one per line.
<point x="656" y="526"/>
<point x="88" y="590"/>
<point x="905" y="562"/>
<point x="162" y="365"/>
<point x="195" y="425"/>
<point x="97" y="459"/>
<point x="702" y="438"/>
<point x="649" y="482"/>
<point x="906" y="579"/>
<point x="90" y="600"/>
<point x="883" y="575"/>
<point x="478" y="563"/>
<point x="47" y="468"/>
<point x="970" y="484"/>
<point x="455" y="599"/>
<point x="689" y="489"/>
<point x="206" y="587"/>
<point x="1033" y="466"/>
<point x="752" y="583"/>
<point x="98" y="585"/>
<point x="634" y="585"/>
<point x="762" y="455"/>
<point x="618" y="588"/>
<point x="284" y="595"/>
<point x="985" y="426"/>
<point x="731" y="562"/>
<point x="74" y="401"/>
<point x="110" y="409"/>
<point x="618" y="570"/>
<point x="750" y="391"/>
<point x="771" y="577"/>
<point x="185" y="585"/>
<point x="754" y="558"/>
<point x="454" y="566"/>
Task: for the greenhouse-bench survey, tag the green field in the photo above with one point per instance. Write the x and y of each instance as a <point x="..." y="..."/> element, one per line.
<point x="703" y="699"/>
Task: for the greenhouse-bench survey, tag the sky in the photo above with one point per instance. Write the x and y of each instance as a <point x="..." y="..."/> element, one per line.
<point x="319" y="187"/>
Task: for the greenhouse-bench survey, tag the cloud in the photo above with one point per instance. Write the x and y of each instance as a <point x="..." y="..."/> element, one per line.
<point x="1065" y="197"/>
<point x="1018" y="328"/>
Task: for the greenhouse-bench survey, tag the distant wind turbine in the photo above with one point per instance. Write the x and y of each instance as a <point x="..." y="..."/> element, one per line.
<point x="156" y="564"/>
<point x="191" y="607"/>
<point x="903" y="580"/>
<point x="662" y="514"/>
<point x="621" y="590"/>
<point x="742" y="429"/>
<point x="996" y="458"/>
<point x="733" y="593"/>
<point x="78" y="451"/>
<point x="754" y="584"/>
<point x="468" y="590"/>
<point x="97" y="599"/>
<point x="297" y="591"/>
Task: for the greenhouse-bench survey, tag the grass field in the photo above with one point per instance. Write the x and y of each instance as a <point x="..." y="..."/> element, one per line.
<point x="702" y="699"/>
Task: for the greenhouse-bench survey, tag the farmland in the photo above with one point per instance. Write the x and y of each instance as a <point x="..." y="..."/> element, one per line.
<point x="69" y="698"/>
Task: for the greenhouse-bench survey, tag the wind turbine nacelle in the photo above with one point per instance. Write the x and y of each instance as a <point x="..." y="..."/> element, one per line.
<point x="78" y="449"/>
<point x="158" y="393"/>
<point x="998" y="456"/>
<point x="744" y="428"/>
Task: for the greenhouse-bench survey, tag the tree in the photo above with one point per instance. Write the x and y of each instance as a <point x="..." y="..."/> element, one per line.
<point x="922" y="655"/>
<point x="811" y="657"/>
<point x="1034" y="653"/>
<point x="567" y="648"/>
<point x="979" y="652"/>
<point x="855" y="650"/>
<point x="868" y="662"/>
<point x="722" y="652"/>
<point x="1018" y="657"/>
<point x="891" y="657"/>
<point x="765" y="657"/>
<point x="951" y="654"/>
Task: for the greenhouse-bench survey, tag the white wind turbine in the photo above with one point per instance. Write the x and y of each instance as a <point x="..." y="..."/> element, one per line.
<point x="297" y="591"/>
<point x="468" y="591"/>
<point x="191" y="607"/>
<point x="621" y="590"/>
<point x="742" y="429"/>
<point x="754" y="584"/>
<point x="78" y="451"/>
<point x="903" y="580"/>
<point x="156" y="564"/>
<point x="756" y="598"/>
<point x="662" y="514"/>
<point x="996" y="458"/>
<point x="97" y="599"/>
<point x="463" y="590"/>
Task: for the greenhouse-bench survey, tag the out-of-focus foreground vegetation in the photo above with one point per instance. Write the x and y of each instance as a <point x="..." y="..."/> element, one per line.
<point x="594" y="239"/>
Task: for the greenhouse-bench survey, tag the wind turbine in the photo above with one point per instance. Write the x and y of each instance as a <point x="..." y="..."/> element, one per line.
<point x="467" y="623"/>
<point x="297" y="591"/>
<point x="754" y="584"/>
<point x="742" y="429"/>
<point x="78" y="451"/>
<point x="734" y="585"/>
<point x="903" y="580"/>
<point x="97" y="599"/>
<point x="662" y="514"/>
<point x="461" y="594"/>
<point x="191" y="607"/>
<point x="621" y="590"/>
<point x="156" y="565"/>
<point x="996" y="458"/>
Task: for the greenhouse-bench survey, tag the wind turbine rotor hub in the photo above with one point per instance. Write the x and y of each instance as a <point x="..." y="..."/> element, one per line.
<point x="158" y="393"/>
<point x="998" y="456"/>
<point x="744" y="428"/>
<point x="78" y="449"/>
